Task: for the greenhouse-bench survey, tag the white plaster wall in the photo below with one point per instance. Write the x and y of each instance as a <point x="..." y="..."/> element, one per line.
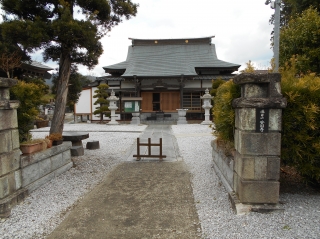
<point x="207" y="84"/>
<point x="84" y="103"/>
<point x="193" y="84"/>
<point x="148" y="82"/>
<point x="126" y="84"/>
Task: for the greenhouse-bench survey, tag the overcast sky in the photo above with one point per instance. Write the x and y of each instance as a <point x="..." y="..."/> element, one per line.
<point x="241" y="29"/>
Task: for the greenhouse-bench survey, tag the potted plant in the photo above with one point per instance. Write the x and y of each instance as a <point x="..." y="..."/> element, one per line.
<point x="48" y="141"/>
<point x="42" y="122"/>
<point x="32" y="146"/>
<point x="56" y="138"/>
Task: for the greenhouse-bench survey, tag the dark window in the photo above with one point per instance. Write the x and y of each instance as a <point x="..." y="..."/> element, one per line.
<point x="156" y="101"/>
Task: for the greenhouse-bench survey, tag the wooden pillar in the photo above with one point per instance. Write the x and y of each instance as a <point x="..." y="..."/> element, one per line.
<point x="136" y="86"/>
<point x="181" y="91"/>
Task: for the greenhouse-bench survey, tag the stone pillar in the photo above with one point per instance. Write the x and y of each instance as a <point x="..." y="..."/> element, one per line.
<point x="135" y="118"/>
<point x="10" y="173"/>
<point x="257" y="142"/>
<point x="182" y="116"/>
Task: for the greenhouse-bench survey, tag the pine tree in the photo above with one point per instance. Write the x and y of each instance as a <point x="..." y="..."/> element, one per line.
<point x="101" y="94"/>
<point x="51" y="25"/>
<point x="249" y="68"/>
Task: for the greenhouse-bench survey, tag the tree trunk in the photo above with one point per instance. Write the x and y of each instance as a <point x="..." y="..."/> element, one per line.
<point x="62" y="92"/>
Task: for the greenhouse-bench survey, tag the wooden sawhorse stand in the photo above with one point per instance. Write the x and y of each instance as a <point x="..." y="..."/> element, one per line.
<point x="149" y="155"/>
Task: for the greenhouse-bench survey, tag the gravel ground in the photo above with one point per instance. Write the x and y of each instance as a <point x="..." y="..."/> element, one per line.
<point x="47" y="206"/>
<point x="301" y="218"/>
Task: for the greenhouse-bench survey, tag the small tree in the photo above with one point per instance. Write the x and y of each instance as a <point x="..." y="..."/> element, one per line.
<point x="301" y="38"/>
<point x="102" y="94"/>
<point x="9" y="61"/>
<point x="250" y="68"/>
<point x="29" y="95"/>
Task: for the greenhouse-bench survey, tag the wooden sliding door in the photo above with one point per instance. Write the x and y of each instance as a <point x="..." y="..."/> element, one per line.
<point x="170" y="101"/>
<point x="165" y="101"/>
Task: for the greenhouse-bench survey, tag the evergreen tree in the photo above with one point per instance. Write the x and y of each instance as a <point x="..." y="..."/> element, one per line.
<point x="249" y="68"/>
<point x="101" y="94"/>
<point x="51" y="25"/>
<point x="302" y="38"/>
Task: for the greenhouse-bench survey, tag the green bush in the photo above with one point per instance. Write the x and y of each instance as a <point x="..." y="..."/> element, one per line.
<point x="301" y="122"/>
<point x="29" y="95"/>
<point x="215" y="85"/>
<point x="224" y="114"/>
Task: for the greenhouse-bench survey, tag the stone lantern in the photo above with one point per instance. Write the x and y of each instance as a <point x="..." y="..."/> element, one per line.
<point x="113" y="107"/>
<point x="206" y="106"/>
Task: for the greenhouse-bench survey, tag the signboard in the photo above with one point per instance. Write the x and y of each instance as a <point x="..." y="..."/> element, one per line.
<point x="132" y="106"/>
<point x="262" y="120"/>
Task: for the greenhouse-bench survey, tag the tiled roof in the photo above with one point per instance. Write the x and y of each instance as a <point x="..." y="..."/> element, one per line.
<point x="213" y="77"/>
<point x="109" y="78"/>
<point x="38" y="65"/>
<point x="165" y="59"/>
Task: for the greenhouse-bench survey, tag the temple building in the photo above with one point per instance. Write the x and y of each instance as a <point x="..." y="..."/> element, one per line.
<point x="30" y="69"/>
<point x="168" y="74"/>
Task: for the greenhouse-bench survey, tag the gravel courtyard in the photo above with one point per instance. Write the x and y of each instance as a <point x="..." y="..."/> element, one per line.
<point x="46" y="207"/>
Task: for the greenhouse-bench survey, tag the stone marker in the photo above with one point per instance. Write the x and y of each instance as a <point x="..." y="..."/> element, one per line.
<point x="257" y="142"/>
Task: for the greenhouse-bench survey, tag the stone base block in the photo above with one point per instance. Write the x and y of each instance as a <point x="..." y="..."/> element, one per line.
<point x="257" y="144"/>
<point x="113" y="123"/>
<point x="135" y="121"/>
<point x="182" y="121"/>
<point x="241" y="208"/>
<point x="257" y="168"/>
<point x="208" y="122"/>
<point x="7" y="203"/>
<point x="77" y="151"/>
<point x="257" y="191"/>
<point x="93" y="145"/>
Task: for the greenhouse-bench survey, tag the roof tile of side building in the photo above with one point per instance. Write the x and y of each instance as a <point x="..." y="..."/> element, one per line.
<point x="170" y="57"/>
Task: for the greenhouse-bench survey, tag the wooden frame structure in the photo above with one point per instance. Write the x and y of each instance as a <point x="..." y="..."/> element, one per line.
<point x="149" y="155"/>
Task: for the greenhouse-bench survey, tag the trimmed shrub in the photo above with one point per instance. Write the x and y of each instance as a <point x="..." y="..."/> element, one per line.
<point x="301" y="122"/>
<point x="224" y="114"/>
<point x="215" y="85"/>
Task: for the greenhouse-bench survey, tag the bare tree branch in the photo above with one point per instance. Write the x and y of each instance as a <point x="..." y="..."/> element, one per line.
<point x="9" y="62"/>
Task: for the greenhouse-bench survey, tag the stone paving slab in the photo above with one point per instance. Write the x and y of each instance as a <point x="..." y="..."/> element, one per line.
<point x="136" y="200"/>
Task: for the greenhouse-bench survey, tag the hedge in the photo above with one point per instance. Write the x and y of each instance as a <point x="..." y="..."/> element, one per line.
<point x="301" y="120"/>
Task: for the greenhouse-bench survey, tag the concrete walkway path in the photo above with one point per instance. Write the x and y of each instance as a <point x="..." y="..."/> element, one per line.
<point x="169" y="144"/>
<point x="144" y="199"/>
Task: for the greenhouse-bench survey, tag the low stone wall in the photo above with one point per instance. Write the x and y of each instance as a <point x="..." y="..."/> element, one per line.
<point x="223" y="165"/>
<point x="40" y="167"/>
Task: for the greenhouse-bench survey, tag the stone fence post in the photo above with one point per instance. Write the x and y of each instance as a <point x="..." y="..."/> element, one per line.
<point x="11" y="192"/>
<point x="257" y="142"/>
